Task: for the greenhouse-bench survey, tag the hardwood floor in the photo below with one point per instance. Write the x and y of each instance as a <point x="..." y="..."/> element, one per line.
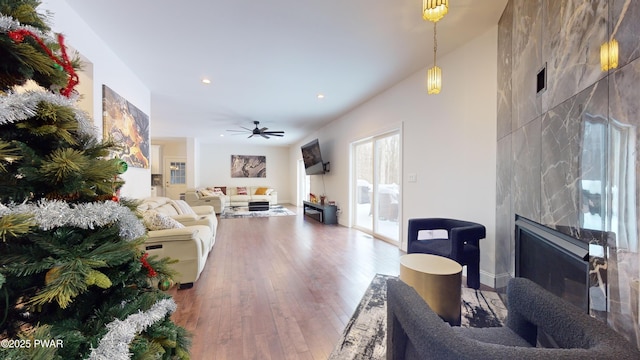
<point x="279" y="288"/>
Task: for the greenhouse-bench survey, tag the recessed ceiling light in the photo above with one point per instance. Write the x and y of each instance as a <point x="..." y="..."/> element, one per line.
<point x="221" y="135"/>
<point x="206" y="81"/>
<point x="320" y="96"/>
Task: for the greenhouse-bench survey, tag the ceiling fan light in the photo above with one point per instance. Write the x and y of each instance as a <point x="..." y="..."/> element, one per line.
<point x="434" y="10"/>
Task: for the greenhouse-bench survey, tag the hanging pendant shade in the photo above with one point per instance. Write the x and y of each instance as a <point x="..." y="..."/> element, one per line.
<point x="434" y="10"/>
<point x="434" y="74"/>
<point x="434" y="80"/>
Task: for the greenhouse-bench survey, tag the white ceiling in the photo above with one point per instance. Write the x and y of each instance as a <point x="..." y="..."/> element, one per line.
<point x="268" y="60"/>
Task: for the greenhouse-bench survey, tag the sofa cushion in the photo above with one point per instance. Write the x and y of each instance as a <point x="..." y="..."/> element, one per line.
<point x="154" y="220"/>
<point x="260" y="198"/>
<point x="261" y="191"/>
<point x="182" y="207"/>
<point x="240" y="198"/>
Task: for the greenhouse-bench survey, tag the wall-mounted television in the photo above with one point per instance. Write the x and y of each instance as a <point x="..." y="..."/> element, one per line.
<point x="312" y="158"/>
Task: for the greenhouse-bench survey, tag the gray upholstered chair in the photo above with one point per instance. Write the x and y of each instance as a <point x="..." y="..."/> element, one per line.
<point x="414" y="331"/>
<point x="460" y="243"/>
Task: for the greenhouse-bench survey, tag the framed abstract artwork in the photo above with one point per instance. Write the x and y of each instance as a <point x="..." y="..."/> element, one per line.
<point x="128" y="126"/>
<point x="248" y="166"/>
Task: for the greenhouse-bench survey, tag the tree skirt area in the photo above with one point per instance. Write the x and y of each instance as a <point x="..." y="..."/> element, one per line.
<point x="365" y="336"/>
<point x="243" y="212"/>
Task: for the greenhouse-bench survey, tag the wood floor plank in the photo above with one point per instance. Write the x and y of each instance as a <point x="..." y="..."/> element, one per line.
<point x="279" y="288"/>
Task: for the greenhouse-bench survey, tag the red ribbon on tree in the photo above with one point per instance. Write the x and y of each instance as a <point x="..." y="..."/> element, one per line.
<point x="150" y="271"/>
<point x="19" y="35"/>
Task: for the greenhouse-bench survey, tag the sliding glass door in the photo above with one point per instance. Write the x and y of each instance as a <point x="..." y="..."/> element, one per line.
<point x="376" y="187"/>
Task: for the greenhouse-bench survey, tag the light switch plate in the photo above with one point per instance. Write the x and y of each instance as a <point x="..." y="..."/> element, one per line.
<point x="412" y="177"/>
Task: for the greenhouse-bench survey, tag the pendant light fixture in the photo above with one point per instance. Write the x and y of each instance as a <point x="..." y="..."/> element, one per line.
<point x="434" y="74"/>
<point x="434" y="10"/>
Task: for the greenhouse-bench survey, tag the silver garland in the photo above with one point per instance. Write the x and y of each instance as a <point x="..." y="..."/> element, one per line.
<point x="115" y="344"/>
<point x="8" y="23"/>
<point x="22" y="106"/>
<point x="49" y="214"/>
<point x="17" y="107"/>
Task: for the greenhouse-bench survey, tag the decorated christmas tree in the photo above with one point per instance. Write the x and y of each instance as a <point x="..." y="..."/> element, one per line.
<point x="74" y="283"/>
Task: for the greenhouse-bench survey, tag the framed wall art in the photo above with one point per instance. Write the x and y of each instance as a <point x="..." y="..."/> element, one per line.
<point x="248" y="166"/>
<point x="128" y="126"/>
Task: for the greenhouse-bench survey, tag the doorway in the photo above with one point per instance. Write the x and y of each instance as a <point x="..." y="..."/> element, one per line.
<point x="175" y="173"/>
<point x="376" y="189"/>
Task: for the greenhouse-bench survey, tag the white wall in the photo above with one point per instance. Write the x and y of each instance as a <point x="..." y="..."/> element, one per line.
<point x="449" y="141"/>
<point x="214" y="168"/>
<point x="109" y="70"/>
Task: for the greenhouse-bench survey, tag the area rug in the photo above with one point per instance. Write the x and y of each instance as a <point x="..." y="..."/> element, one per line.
<point x="243" y="212"/>
<point x="365" y="336"/>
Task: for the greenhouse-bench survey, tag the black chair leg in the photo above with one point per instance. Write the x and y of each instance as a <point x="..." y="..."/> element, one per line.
<point x="473" y="276"/>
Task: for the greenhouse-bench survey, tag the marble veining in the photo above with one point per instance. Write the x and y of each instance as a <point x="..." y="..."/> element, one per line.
<point x="526" y="170"/>
<point x="573" y="32"/>
<point x="625" y="27"/>
<point x="573" y="140"/>
<point x="504" y="223"/>
<point x="527" y="60"/>
<point x="570" y="159"/>
<point x="504" y="72"/>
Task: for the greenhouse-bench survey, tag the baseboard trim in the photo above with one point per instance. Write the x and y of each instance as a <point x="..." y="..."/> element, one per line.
<point x="493" y="280"/>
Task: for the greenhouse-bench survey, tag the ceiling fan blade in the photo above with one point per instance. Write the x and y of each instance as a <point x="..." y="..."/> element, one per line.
<point x="273" y="132"/>
<point x="238" y="131"/>
<point x="279" y="135"/>
<point x="264" y="136"/>
<point x="263" y="129"/>
<point x="246" y="128"/>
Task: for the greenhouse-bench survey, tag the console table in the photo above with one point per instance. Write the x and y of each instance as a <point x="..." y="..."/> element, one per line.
<point x="326" y="214"/>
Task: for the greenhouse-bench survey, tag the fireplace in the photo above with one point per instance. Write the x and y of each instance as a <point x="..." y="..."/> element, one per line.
<point x="557" y="262"/>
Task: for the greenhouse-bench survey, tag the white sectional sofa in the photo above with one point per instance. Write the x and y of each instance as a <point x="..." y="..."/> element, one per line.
<point x="181" y="232"/>
<point x="223" y="196"/>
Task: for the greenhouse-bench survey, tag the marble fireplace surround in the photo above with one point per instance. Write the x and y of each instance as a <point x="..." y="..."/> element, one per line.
<point x="567" y="157"/>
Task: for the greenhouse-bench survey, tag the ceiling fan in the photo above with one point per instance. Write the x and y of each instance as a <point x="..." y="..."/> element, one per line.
<point x="257" y="131"/>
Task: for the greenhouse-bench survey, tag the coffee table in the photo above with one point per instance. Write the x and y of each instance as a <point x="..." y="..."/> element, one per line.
<point x="438" y="280"/>
<point x="258" y="205"/>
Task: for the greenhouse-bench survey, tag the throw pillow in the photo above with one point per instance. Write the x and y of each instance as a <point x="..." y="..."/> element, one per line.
<point x="182" y="207"/>
<point x="154" y="220"/>
<point x="269" y="191"/>
<point x="241" y="190"/>
<point x="261" y="191"/>
<point x="221" y="188"/>
<point x="218" y="191"/>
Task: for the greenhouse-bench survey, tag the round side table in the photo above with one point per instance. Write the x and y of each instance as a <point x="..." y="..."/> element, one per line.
<point x="438" y="280"/>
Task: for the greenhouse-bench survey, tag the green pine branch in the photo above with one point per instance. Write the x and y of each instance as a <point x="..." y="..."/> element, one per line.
<point x="25" y="12"/>
<point x="8" y="154"/>
<point x="15" y="225"/>
<point x="55" y="121"/>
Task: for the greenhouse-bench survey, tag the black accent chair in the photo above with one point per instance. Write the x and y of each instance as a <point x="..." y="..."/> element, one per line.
<point x="462" y="245"/>
<point x="414" y="331"/>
